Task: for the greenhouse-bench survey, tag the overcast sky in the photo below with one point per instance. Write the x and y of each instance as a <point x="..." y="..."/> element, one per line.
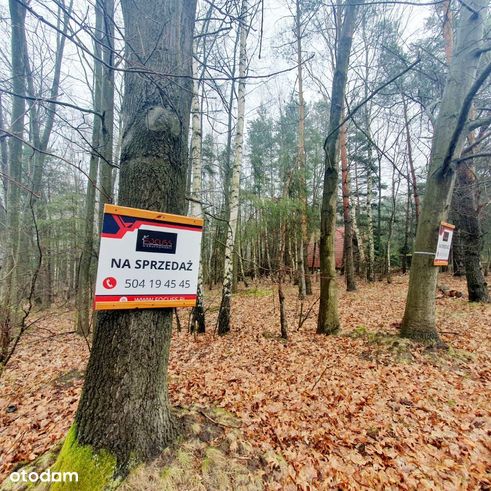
<point x="276" y="30"/>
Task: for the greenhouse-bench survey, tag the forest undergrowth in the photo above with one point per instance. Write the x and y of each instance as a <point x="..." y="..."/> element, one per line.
<point x="362" y="409"/>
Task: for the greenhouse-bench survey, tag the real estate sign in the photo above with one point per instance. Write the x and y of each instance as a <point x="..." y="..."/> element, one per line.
<point x="147" y="260"/>
<point x="445" y="235"/>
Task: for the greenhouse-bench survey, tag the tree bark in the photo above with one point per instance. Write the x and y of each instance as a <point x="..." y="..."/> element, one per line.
<point x="84" y="272"/>
<point x="410" y="160"/>
<point x="106" y="7"/>
<point x="395" y="189"/>
<point x="370" y="234"/>
<point x="467" y="213"/>
<point x="419" y="317"/>
<point x="225" y="306"/>
<point x="124" y="407"/>
<point x="40" y="138"/>
<point x="4" y="159"/>
<point x="328" y="320"/>
<point x="304" y="283"/>
<point x="458" y="266"/>
<point x="349" y="270"/>
<point x="465" y="201"/>
<point x="370" y="265"/>
<point x="407" y="226"/>
<point x="10" y="286"/>
<point x="198" y="314"/>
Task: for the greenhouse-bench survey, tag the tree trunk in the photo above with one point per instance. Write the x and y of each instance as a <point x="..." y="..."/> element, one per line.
<point x="281" y="265"/>
<point x="222" y="236"/>
<point x="419" y="317"/>
<point x="10" y="287"/>
<point x="40" y="137"/>
<point x="395" y="189"/>
<point x="4" y="161"/>
<point x="124" y="408"/>
<point x="106" y="7"/>
<point x="359" y="257"/>
<point x="328" y="320"/>
<point x="370" y="239"/>
<point x="458" y="266"/>
<point x="370" y="265"/>
<point x="407" y="227"/>
<point x="465" y="200"/>
<point x="349" y="270"/>
<point x="198" y="314"/>
<point x="225" y="306"/>
<point x="467" y="211"/>
<point x="84" y="277"/>
<point x="304" y="284"/>
<point x="410" y="160"/>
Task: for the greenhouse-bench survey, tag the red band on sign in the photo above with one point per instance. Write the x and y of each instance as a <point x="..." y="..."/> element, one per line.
<point x="142" y="298"/>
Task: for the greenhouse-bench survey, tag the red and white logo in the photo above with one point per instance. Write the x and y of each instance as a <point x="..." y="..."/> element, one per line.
<point x="109" y="283"/>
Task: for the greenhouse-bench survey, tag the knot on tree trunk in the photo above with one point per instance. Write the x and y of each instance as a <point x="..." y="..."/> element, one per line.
<point x="160" y="118"/>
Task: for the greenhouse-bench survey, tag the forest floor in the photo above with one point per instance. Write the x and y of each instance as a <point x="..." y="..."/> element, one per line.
<point x="359" y="410"/>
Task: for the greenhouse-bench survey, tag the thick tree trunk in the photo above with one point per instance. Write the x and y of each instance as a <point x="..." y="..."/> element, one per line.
<point x="328" y="320"/>
<point x="467" y="212"/>
<point x="225" y="306"/>
<point x="465" y="202"/>
<point x="124" y="408"/>
<point x="419" y="317"/>
<point x="458" y="266"/>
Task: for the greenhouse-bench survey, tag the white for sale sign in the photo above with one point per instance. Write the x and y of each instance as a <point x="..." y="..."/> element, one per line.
<point x="445" y="235"/>
<point x="147" y="260"/>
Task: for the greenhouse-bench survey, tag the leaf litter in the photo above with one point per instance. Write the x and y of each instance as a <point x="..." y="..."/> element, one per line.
<point x="360" y="410"/>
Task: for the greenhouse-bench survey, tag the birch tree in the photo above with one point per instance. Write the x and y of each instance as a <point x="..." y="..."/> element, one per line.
<point x="225" y="306"/>
<point x="304" y="281"/>
<point x="349" y="270"/>
<point x="198" y="315"/>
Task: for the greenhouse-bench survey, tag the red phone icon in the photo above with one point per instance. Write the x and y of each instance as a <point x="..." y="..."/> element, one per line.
<point x="109" y="283"/>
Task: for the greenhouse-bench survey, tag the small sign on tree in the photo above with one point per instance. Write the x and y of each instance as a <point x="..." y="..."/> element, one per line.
<point x="445" y="235"/>
<point x="147" y="260"/>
